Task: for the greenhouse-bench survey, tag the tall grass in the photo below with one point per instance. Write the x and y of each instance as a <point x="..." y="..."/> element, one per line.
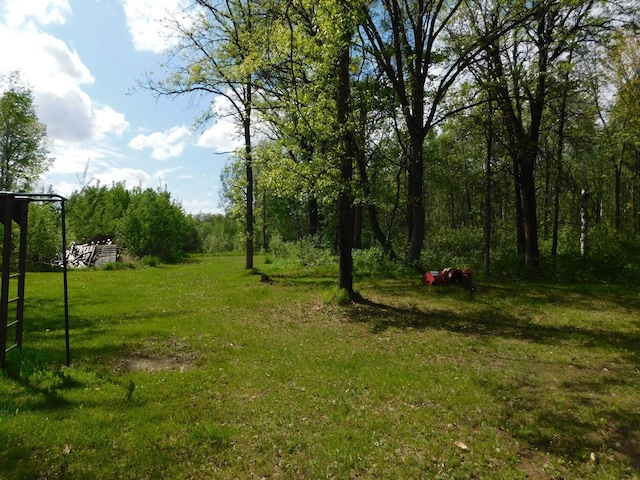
<point x="200" y="370"/>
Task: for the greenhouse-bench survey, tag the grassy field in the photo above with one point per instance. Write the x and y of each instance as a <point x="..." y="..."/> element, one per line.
<point x="202" y="371"/>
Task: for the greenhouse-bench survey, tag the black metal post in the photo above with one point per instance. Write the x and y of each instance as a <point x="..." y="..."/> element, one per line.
<point x="64" y="275"/>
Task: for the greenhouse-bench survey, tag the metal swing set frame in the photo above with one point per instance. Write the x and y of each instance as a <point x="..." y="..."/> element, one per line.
<point x="14" y="207"/>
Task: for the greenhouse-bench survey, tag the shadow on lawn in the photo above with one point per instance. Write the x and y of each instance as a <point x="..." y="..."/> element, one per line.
<point x="490" y="321"/>
<point x="573" y="414"/>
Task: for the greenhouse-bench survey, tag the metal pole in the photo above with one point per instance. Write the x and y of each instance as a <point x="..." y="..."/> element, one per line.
<point x="64" y="275"/>
<point x="7" y="219"/>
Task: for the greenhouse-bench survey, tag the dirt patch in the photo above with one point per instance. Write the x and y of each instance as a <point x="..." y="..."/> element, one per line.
<point x="153" y="363"/>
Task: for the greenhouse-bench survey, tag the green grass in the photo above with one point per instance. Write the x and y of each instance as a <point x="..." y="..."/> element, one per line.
<point x="202" y="371"/>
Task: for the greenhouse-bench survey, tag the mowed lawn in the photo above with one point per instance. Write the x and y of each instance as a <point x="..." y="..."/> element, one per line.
<point x="203" y="371"/>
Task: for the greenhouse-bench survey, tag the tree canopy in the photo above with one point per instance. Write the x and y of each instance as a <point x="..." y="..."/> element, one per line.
<point x="381" y="122"/>
<point x="24" y="148"/>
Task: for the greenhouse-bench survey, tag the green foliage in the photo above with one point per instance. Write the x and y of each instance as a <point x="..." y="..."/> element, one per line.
<point x="150" y="261"/>
<point x="217" y="233"/>
<point x="374" y="263"/>
<point x="198" y="370"/>
<point x="307" y="252"/>
<point x="95" y="211"/>
<point x="453" y="247"/>
<point x="24" y="153"/>
<point x="44" y="235"/>
<point x="154" y="225"/>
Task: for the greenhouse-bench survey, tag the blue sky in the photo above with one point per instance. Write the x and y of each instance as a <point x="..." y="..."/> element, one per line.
<point x="83" y="60"/>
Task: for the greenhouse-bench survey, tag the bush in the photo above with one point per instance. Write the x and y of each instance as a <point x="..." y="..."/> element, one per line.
<point x="44" y="238"/>
<point x="372" y="262"/>
<point x="156" y="226"/>
<point x="460" y="247"/>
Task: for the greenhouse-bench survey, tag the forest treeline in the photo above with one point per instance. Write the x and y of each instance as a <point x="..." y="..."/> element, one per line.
<point x="434" y="133"/>
<point x="406" y="125"/>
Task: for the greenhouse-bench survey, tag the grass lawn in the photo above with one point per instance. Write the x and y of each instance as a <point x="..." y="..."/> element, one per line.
<point x="202" y="371"/>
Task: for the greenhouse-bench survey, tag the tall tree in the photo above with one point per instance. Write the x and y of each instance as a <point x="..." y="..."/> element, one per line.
<point x="24" y="147"/>
<point x="421" y="48"/>
<point x="623" y="71"/>
<point x="344" y="18"/>
<point x="219" y="53"/>
<point x="518" y="68"/>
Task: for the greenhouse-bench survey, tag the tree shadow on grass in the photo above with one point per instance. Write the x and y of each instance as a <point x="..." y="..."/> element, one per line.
<point x="574" y="421"/>
<point x="41" y="380"/>
<point x="488" y="321"/>
<point x="576" y="415"/>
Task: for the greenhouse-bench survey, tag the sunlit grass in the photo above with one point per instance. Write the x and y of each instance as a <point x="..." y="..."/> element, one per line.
<point x="201" y="370"/>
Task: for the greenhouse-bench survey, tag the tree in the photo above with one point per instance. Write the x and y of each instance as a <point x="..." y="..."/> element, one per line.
<point x="94" y="211"/>
<point x="43" y="240"/>
<point x="421" y="49"/>
<point x="219" y="53"/>
<point x="24" y="153"/>
<point x="517" y="71"/>
<point x="623" y="71"/>
<point x="155" y="225"/>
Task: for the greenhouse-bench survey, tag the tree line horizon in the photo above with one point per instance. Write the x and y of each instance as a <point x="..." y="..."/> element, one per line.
<point x="382" y="121"/>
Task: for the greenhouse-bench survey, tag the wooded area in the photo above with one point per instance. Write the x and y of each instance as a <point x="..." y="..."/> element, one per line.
<point x="381" y="121"/>
<point x="459" y="132"/>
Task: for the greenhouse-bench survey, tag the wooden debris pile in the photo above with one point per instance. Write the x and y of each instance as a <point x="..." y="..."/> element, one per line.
<point x="94" y="254"/>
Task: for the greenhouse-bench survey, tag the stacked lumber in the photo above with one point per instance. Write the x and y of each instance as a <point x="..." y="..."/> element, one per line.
<point x="88" y="255"/>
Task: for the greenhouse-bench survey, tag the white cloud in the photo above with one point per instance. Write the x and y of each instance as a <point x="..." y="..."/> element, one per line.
<point x="57" y="74"/>
<point x="164" y="145"/>
<point x="166" y="173"/>
<point x="224" y="135"/>
<point x="19" y="12"/>
<point x="76" y="158"/>
<point x="130" y="177"/>
<point x="202" y="206"/>
<point x="68" y="115"/>
<point x="63" y="188"/>
<point x="146" y="20"/>
<point x="50" y="65"/>
<point x="107" y="120"/>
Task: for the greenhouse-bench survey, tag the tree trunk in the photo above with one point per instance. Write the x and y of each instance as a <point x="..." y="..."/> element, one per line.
<point x="357" y="226"/>
<point x="378" y="234"/>
<point x="314" y="216"/>
<point x="559" y="154"/>
<point x="487" y="197"/>
<point x="249" y="177"/>
<point x="584" y="222"/>
<point x="519" y="210"/>
<point x="265" y="244"/>
<point x="618" y="190"/>
<point x="345" y="201"/>
<point x="529" y="215"/>
<point x="415" y="199"/>
<point x="634" y="198"/>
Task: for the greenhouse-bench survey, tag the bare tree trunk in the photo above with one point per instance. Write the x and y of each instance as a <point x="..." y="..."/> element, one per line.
<point x="584" y="222"/>
<point x="487" y="197"/>
<point x="559" y="154"/>
<point x="531" y="252"/>
<point x="249" y="177"/>
<point x="358" y="218"/>
<point x="415" y="199"/>
<point x="345" y="200"/>
<point x="519" y="210"/>
<point x="314" y="216"/>
<point x="634" y="199"/>
<point x="371" y="207"/>
<point x="265" y="244"/>
<point x="618" y="189"/>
